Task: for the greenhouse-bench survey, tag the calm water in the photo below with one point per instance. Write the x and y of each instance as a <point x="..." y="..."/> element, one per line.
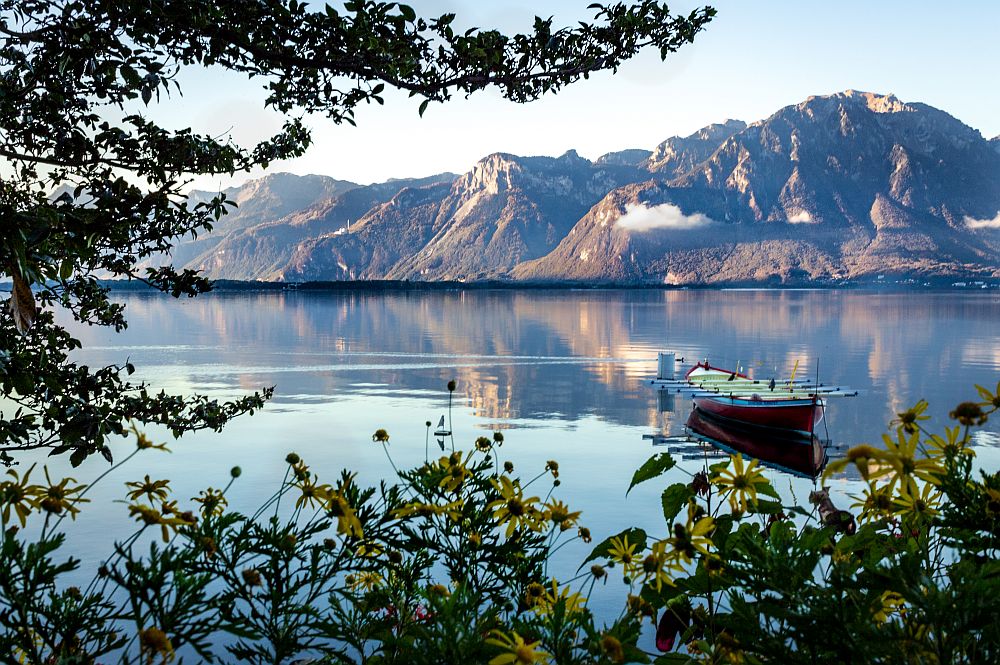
<point x="561" y="372"/>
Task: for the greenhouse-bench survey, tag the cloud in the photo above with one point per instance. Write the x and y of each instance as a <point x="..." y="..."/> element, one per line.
<point x="801" y="217"/>
<point x="973" y="223"/>
<point x="639" y="217"/>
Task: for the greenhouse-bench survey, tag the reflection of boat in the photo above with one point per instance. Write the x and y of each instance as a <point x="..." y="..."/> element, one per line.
<point x="785" y="449"/>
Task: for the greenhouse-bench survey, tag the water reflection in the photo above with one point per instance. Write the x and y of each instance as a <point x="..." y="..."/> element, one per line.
<point x="566" y="369"/>
<point x="563" y="355"/>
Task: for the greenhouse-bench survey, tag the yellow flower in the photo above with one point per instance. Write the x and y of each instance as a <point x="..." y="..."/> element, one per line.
<point x="691" y="537"/>
<point x="888" y="604"/>
<point x="533" y="593"/>
<point x="154" y="642"/>
<point x="612" y="648"/>
<point x="918" y="505"/>
<point x="559" y="514"/>
<point x="452" y="509"/>
<point x="908" y="419"/>
<point x="989" y="398"/>
<point x="156" y="490"/>
<point x="58" y="497"/>
<point x="347" y="520"/>
<point x="513" y="509"/>
<point x="729" y="648"/>
<point x="455" y="473"/>
<point x="905" y="465"/>
<point x="143" y="442"/>
<point x="552" y="467"/>
<point x="380" y="436"/>
<point x="152" y="517"/>
<point x="516" y="650"/>
<point x="19" y="496"/>
<point x="213" y="502"/>
<point x="969" y="414"/>
<point x="875" y="502"/>
<point x="369" y="549"/>
<point x="657" y="567"/>
<point x="366" y="580"/>
<point x="860" y="456"/>
<point x="623" y="552"/>
<point x="740" y="484"/>
<point x="573" y="602"/>
<point x="950" y="446"/>
<point x="311" y="494"/>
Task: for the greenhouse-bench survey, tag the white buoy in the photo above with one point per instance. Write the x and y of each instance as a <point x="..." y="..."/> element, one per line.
<point x="665" y="365"/>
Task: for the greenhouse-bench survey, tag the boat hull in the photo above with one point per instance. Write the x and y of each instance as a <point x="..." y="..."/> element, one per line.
<point x="794" y="414"/>
<point x="780" y="448"/>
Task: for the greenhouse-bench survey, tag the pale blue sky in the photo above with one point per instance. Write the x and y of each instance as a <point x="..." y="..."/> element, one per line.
<point x="755" y="58"/>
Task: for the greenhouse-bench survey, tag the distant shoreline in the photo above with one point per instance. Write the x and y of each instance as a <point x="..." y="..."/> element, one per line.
<point x="904" y="284"/>
<point x="940" y="283"/>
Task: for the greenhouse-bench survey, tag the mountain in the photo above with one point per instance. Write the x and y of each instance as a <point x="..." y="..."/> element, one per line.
<point x="265" y="250"/>
<point x="843" y="186"/>
<point x="839" y="186"/>
<point x="259" y="201"/>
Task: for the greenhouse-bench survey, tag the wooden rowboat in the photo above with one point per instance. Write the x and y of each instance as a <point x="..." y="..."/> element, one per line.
<point x="769" y="405"/>
<point x="794" y="405"/>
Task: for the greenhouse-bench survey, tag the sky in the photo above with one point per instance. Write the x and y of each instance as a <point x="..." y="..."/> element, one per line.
<point x="753" y="59"/>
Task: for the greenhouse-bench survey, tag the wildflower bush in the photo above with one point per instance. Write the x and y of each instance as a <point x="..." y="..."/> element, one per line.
<point x="449" y="563"/>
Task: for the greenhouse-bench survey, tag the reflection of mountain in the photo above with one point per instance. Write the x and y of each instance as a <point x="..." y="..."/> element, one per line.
<point x="567" y="355"/>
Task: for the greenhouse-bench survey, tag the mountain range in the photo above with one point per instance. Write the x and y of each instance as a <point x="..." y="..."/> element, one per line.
<point x="839" y="187"/>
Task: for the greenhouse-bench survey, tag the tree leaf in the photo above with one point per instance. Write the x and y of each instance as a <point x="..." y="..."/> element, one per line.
<point x="673" y="499"/>
<point x="654" y="466"/>
<point x="22" y="304"/>
<point x="77" y="456"/>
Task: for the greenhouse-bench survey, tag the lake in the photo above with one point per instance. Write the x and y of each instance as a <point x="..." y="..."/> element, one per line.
<point x="561" y="372"/>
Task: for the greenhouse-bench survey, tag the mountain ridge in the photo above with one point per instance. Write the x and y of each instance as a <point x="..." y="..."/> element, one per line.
<point x="836" y="187"/>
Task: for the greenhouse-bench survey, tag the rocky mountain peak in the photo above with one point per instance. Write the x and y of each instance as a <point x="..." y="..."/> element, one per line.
<point x="629" y="157"/>
<point x="572" y="156"/>
<point x="878" y="103"/>
<point x="679" y="155"/>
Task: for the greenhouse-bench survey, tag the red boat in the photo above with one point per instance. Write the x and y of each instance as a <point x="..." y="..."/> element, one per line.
<point x="783" y="449"/>
<point x="733" y="396"/>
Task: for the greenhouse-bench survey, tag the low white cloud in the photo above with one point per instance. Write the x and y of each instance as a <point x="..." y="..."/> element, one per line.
<point x="973" y="223"/>
<point x="639" y="217"/>
<point x="801" y="217"/>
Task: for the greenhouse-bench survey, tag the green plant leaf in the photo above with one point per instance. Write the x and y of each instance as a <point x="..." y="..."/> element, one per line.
<point x="654" y="466"/>
<point x="673" y="499"/>
<point x="768" y="490"/>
